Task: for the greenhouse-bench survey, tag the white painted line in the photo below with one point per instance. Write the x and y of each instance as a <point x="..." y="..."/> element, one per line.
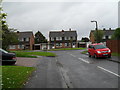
<point x="83" y="60"/>
<point x="108" y="71"/>
<point x="73" y="55"/>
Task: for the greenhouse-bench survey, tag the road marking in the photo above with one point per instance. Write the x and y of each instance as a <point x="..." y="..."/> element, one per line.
<point x="83" y="60"/>
<point x="72" y="55"/>
<point x="108" y="71"/>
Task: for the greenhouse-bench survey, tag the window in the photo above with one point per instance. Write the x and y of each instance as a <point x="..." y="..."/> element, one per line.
<point x="106" y="37"/>
<point x="110" y="36"/>
<point x="24" y="39"/>
<point x="60" y="38"/>
<point x="52" y="39"/>
<point x="20" y="46"/>
<point x="65" y="44"/>
<point x="61" y="44"/>
<point x="12" y="47"/>
<point x="27" y="39"/>
<point x="74" y="38"/>
<point x="57" y="44"/>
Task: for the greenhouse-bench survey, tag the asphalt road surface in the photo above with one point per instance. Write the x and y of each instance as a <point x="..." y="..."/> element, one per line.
<point x="71" y="69"/>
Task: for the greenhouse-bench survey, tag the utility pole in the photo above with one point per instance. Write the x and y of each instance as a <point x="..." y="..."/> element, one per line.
<point x="96" y="29"/>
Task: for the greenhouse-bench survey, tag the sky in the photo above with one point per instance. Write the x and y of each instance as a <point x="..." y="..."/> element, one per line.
<point x="53" y="15"/>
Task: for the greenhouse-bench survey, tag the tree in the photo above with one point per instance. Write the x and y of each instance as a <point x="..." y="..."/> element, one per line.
<point x="8" y="35"/>
<point x="39" y="38"/>
<point x="116" y="34"/>
<point x="98" y="35"/>
<point x="85" y="39"/>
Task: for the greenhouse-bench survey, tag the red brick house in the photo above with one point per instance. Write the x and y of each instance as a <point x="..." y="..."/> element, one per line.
<point x="26" y="41"/>
<point x="63" y="39"/>
<point x="107" y="35"/>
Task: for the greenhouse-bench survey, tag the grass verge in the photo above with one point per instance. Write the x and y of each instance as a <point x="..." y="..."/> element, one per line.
<point x="84" y="52"/>
<point x="31" y="54"/>
<point x="67" y="49"/>
<point x="15" y="76"/>
<point x="115" y="54"/>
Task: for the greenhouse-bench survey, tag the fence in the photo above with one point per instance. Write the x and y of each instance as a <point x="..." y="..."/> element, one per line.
<point x="114" y="45"/>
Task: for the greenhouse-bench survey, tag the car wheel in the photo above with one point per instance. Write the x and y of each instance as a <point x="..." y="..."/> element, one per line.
<point x="89" y="55"/>
<point x="109" y="56"/>
<point x="95" y="56"/>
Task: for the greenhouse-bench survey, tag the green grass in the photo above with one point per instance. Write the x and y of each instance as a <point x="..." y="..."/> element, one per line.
<point x="31" y="54"/>
<point x="115" y="54"/>
<point x="67" y="49"/>
<point x="84" y="52"/>
<point x="15" y="76"/>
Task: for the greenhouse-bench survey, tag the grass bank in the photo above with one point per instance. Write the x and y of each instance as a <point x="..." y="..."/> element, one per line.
<point x="32" y="54"/>
<point x="84" y="52"/>
<point x="15" y="76"/>
<point x="67" y="49"/>
<point x="115" y="54"/>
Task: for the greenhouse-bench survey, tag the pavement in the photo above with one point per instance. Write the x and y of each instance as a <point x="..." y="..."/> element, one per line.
<point x="71" y="69"/>
<point x="28" y="62"/>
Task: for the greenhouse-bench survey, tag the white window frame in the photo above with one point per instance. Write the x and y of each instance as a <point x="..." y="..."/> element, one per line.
<point x="12" y="46"/>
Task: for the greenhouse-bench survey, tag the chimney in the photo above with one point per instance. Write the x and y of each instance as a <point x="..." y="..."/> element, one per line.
<point x="104" y="29"/>
<point x="69" y="29"/>
<point x="62" y="30"/>
<point x="17" y="31"/>
<point x="109" y="28"/>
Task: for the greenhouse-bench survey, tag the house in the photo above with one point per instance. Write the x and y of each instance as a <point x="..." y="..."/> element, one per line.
<point x="63" y="39"/>
<point x="26" y="41"/>
<point x="107" y="35"/>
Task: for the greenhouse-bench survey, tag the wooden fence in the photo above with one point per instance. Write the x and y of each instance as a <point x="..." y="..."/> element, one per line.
<point x="114" y="45"/>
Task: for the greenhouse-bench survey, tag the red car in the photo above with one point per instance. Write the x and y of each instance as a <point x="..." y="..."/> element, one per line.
<point x="99" y="50"/>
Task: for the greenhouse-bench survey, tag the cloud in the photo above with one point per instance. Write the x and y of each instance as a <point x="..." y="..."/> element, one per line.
<point x="46" y="16"/>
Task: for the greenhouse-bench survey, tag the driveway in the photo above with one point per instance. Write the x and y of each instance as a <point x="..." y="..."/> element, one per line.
<point x="28" y="62"/>
<point x="71" y="69"/>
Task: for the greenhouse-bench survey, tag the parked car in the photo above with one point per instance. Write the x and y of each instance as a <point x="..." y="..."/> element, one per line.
<point x="7" y="58"/>
<point x="99" y="50"/>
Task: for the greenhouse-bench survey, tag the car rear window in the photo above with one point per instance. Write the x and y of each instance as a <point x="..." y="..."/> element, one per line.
<point x="101" y="46"/>
<point x="1" y="50"/>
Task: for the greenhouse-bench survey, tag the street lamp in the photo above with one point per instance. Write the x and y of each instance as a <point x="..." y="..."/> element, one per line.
<point x="96" y="24"/>
<point x="96" y="30"/>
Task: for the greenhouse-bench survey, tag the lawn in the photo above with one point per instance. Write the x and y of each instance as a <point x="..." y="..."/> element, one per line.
<point x="84" y="52"/>
<point x="32" y="54"/>
<point x="67" y="49"/>
<point x="15" y="76"/>
<point x="115" y="54"/>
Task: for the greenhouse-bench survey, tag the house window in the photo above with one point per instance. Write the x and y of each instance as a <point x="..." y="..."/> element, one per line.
<point x="24" y="39"/>
<point x="106" y="37"/>
<point x="12" y="46"/>
<point x="74" y="38"/>
<point x="57" y="44"/>
<point x="65" y="44"/>
<point x="110" y="37"/>
<point x="20" y="46"/>
<point x="52" y="39"/>
<point x="103" y="37"/>
<point x="27" y="39"/>
<point x="60" y="44"/>
<point x="60" y="38"/>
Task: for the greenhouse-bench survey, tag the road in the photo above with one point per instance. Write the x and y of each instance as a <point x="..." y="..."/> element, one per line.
<point x="71" y="69"/>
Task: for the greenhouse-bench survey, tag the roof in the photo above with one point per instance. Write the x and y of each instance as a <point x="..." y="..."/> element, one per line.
<point x="62" y="33"/>
<point x="106" y="32"/>
<point x="24" y="34"/>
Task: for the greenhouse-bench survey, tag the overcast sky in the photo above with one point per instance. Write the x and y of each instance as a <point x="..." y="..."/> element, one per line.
<point x="47" y="16"/>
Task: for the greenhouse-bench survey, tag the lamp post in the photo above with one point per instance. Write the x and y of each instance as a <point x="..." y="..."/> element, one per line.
<point x="96" y="30"/>
<point x="96" y="24"/>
